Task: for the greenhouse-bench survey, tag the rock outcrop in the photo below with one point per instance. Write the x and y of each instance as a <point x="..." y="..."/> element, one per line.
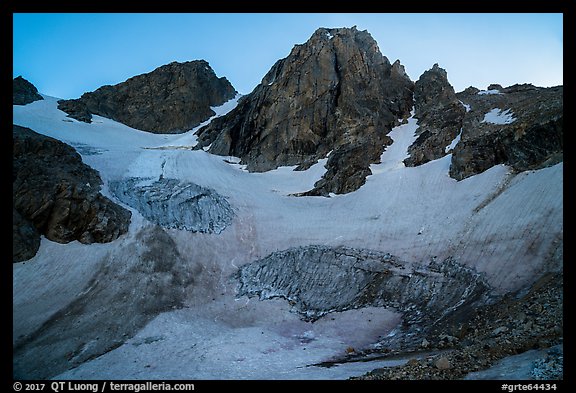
<point x="334" y="94"/>
<point x="171" y="203"/>
<point x="173" y="98"/>
<point x="56" y="195"/>
<point x="24" y="92"/>
<point x="520" y="126"/>
<point x="520" y="323"/>
<point x="439" y="114"/>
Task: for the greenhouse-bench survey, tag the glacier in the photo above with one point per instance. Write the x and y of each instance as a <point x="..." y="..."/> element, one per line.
<point x="506" y="226"/>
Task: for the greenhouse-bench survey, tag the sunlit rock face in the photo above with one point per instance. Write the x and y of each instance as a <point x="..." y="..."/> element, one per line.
<point x="335" y="93"/>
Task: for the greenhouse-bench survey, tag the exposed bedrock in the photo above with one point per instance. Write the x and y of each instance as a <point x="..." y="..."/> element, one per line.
<point x="531" y="138"/>
<point x="171" y="203"/>
<point x="173" y="98"/>
<point x="24" y="92"/>
<point x="520" y="126"/>
<point x="439" y="115"/>
<point x="318" y="280"/>
<point x="335" y="93"/>
<point x="56" y="195"/>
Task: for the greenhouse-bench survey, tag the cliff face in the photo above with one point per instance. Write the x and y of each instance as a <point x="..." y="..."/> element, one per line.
<point x="520" y="126"/>
<point x="439" y="115"/>
<point x="56" y="195"/>
<point x="173" y="98"/>
<point x="335" y="94"/>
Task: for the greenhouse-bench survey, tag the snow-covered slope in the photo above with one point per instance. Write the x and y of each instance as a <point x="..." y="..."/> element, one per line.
<point x="508" y="226"/>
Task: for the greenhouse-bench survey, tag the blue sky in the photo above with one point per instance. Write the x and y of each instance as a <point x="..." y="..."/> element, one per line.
<point x="65" y="55"/>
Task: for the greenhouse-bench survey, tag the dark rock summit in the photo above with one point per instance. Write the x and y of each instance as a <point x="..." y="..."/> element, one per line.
<point x="173" y="98"/>
<point x="24" y="92"/>
<point x="439" y="115"/>
<point x="56" y="195"/>
<point x="335" y="93"/>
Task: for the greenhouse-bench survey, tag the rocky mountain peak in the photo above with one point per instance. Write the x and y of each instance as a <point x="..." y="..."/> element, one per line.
<point x="24" y="92"/>
<point x="336" y="94"/>
<point x="173" y="98"/>
<point x="432" y="89"/>
<point x="398" y="70"/>
<point x="439" y="114"/>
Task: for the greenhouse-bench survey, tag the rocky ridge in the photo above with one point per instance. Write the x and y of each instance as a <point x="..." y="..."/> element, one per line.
<point x="439" y="114"/>
<point x="56" y="195"/>
<point x="173" y="98"/>
<point x="24" y="92"/>
<point x="334" y="96"/>
<point x="520" y="126"/>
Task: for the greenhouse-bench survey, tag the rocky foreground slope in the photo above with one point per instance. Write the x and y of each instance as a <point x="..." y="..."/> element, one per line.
<point x="530" y="320"/>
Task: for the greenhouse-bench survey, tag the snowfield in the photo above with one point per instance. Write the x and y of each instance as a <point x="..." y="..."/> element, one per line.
<point x="498" y="116"/>
<point x="508" y="226"/>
